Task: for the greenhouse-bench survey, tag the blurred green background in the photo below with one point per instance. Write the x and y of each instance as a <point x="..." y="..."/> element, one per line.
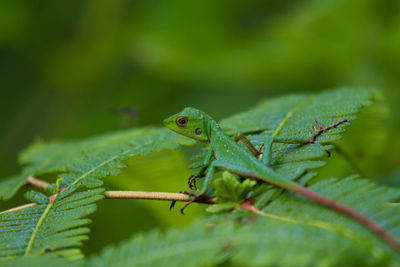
<point x="67" y="66"/>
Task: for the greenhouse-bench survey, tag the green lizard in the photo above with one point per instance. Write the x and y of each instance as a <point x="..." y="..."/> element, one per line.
<point x="224" y="153"/>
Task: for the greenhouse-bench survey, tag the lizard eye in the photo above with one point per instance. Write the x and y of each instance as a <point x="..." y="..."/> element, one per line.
<point x="182" y="121"/>
<point x="198" y="131"/>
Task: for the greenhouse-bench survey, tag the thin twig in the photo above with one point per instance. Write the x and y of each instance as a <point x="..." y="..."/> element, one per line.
<point x="132" y="195"/>
<point x="19" y="208"/>
<point x="36" y="182"/>
<point x="153" y="196"/>
<point x="117" y="195"/>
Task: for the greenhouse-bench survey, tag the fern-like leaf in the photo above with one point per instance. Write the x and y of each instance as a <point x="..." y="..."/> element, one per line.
<point x="285" y="220"/>
<point x="291" y="231"/>
<point x="43" y="261"/>
<point x="293" y="116"/>
<point x="50" y="226"/>
<point x="10" y="186"/>
<point x="86" y="161"/>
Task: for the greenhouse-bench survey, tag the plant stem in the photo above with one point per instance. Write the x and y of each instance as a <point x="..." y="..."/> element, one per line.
<point x="19" y="208"/>
<point x="152" y="196"/>
<point x="118" y="195"/>
<point x="36" y="182"/>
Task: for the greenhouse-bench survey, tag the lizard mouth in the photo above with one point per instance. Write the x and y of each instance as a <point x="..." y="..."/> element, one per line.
<point x="169" y="122"/>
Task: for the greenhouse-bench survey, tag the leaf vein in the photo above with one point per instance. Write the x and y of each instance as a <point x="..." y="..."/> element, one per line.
<point x="290" y="114"/>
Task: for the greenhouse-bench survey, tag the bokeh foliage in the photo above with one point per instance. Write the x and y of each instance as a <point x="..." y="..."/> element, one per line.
<point x="65" y="64"/>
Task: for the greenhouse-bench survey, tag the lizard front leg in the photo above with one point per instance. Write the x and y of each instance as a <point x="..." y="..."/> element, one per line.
<point x="192" y="179"/>
<point x="206" y="185"/>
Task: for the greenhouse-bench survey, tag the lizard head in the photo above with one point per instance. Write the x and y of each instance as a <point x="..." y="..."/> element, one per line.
<point x="189" y="122"/>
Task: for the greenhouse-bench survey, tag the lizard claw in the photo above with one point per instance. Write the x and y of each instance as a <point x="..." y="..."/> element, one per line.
<point x="193" y="178"/>
<point x="186" y="192"/>
<point x="328" y="152"/>
<point x="195" y="198"/>
<point x="172" y="205"/>
<point x="192" y="182"/>
<point x="189" y="193"/>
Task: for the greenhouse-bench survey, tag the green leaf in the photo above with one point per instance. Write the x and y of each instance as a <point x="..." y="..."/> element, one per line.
<point x="230" y="192"/>
<point x="10" y="186"/>
<point x="290" y="231"/>
<point x="222" y="207"/>
<point x="229" y="188"/>
<point x="42" y="261"/>
<point x="86" y="161"/>
<point x="36" y="197"/>
<point x="293" y="116"/>
<point x="50" y="227"/>
<point x="280" y="114"/>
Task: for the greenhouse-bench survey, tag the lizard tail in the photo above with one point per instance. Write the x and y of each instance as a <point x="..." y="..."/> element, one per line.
<point x="370" y="224"/>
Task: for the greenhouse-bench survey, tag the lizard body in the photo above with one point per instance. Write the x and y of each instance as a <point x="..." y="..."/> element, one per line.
<point x="225" y="153"/>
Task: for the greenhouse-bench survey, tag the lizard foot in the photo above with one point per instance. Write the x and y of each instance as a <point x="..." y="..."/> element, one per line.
<point x="186" y="192"/>
<point x="192" y="181"/>
<point x="195" y="198"/>
<point x="172" y="205"/>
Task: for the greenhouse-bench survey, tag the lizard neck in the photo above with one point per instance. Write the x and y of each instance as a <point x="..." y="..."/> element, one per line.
<point x="219" y="140"/>
<point x="212" y="128"/>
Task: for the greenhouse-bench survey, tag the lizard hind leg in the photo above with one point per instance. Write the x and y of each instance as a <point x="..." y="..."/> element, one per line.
<point x="189" y="193"/>
<point x="318" y="130"/>
<point x="195" y="198"/>
<point x="187" y="204"/>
